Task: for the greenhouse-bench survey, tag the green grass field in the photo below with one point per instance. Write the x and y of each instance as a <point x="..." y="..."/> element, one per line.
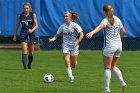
<point x="88" y="74"/>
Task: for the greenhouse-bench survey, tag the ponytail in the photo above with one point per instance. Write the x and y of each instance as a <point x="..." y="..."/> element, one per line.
<point x="74" y="15"/>
<point x="107" y="8"/>
<point x="110" y="17"/>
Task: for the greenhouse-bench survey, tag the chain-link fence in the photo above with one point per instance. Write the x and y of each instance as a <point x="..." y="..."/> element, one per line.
<point x="95" y="43"/>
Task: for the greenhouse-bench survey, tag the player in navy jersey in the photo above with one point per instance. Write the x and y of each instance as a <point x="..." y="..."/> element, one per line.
<point x="29" y="23"/>
<point x="113" y="31"/>
<point x="70" y="30"/>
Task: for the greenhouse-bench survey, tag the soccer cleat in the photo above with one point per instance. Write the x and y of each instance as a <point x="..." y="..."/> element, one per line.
<point x="107" y="91"/>
<point x="123" y="87"/>
<point x="71" y="80"/>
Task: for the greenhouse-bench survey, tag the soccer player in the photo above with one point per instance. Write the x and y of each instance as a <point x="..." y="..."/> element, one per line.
<point x="70" y="30"/>
<point x="29" y="23"/>
<point x="113" y="31"/>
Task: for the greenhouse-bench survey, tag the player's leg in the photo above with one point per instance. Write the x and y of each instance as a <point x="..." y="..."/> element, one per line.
<point x="107" y="60"/>
<point x="30" y="56"/>
<point x="24" y="46"/>
<point x="74" y="61"/>
<point x="107" y="72"/>
<point x="118" y="73"/>
<point x="74" y="56"/>
<point x="68" y="66"/>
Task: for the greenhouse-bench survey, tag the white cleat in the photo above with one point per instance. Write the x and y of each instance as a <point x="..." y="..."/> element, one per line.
<point x="72" y="79"/>
<point x="123" y="87"/>
<point x="107" y="91"/>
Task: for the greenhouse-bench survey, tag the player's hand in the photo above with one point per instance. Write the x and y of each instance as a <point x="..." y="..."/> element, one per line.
<point x="51" y="40"/>
<point x="30" y="31"/>
<point x="89" y="35"/>
<point x="14" y="38"/>
<point x="75" y="44"/>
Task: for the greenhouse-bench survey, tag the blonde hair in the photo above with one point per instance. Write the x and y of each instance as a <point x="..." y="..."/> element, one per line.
<point x="28" y="4"/>
<point x="108" y="9"/>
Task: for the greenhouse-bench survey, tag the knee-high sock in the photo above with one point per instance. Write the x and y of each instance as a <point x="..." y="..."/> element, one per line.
<point x="118" y="74"/>
<point x="24" y="60"/>
<point x="69" y="72"/>
<point x="107" y="77"/>
<point x="30" y="59"/>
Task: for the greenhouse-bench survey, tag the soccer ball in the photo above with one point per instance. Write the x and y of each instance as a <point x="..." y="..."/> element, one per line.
<point x="48" y="78"/>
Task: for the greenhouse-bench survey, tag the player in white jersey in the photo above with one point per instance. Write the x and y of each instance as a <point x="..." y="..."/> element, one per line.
<point x="70" y="31"/>
<point x="113" y="31"/>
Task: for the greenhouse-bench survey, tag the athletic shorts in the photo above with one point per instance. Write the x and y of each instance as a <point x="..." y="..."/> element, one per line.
<point x="71" y="50"/>
<point x="112" y="51"/>
<point x="28" y="38"/>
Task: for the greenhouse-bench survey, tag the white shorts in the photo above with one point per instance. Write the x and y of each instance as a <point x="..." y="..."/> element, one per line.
<point x="71" y="50"/>
<point x="112" y="51"/>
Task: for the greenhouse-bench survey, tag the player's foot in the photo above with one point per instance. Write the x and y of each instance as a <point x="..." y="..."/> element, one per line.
<point x="123" y="87"/>
<point x="107" y="91"/>
<point x="71" y="80"/>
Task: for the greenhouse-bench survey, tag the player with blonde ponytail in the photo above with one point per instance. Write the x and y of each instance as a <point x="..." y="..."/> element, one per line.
<point x="113" y="31"/>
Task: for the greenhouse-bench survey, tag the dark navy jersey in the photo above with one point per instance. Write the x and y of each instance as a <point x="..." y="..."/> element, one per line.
<point x="27" y="21"/>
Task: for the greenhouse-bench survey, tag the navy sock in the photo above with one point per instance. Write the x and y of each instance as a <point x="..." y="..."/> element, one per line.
<point x="30" y="59"/>
<point x="24" y="60"/>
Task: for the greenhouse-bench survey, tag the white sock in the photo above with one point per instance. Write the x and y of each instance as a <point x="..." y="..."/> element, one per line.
<point x="107" y="77"/>
<point x="69" y="72"/>
<point x="118" y="74"/>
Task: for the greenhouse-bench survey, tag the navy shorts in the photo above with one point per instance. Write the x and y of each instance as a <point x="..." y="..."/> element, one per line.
<point x="28" y="38"/>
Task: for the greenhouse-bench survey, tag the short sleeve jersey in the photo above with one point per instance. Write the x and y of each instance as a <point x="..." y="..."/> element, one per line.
<point x="112" y="32"/>
<point x="70" y="33"/>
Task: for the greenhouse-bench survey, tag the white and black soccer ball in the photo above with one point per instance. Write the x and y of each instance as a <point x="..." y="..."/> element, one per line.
<point x="48" y="78"/>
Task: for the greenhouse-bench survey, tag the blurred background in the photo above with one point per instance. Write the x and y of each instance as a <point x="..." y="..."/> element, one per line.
<point x="50" y="17"/>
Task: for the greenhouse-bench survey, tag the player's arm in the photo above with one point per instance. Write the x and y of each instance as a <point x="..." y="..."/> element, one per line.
<point x="35" y="22"/>
<point x="122" y="32"/>
<point x="54" y="38"/>
<point x="97" y="29"/>
<point x="79" y="39"/>
<point x="57" y="34"/>
<point x="16" y="29"/>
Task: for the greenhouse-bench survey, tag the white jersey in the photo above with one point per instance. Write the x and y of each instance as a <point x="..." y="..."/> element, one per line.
<point x="69" y="33"/>
<point x="112" y="36"/>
